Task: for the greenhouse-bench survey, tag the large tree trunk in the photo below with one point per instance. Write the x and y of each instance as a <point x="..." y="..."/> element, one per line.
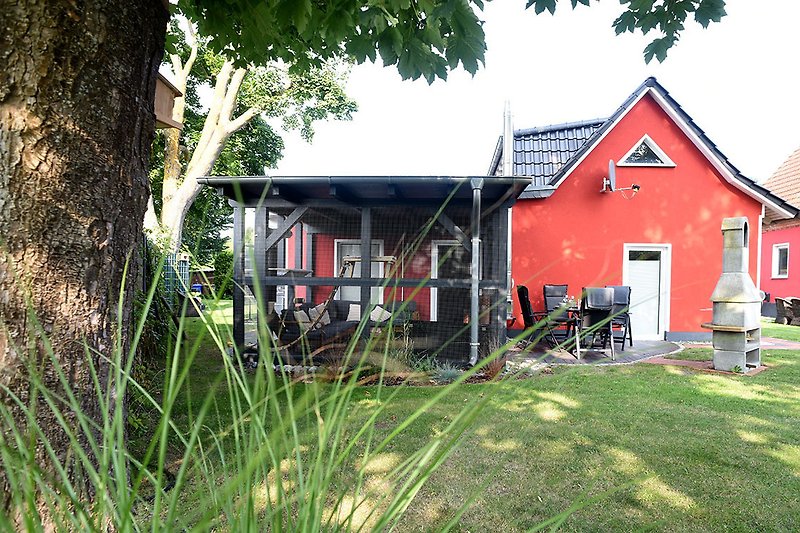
<point x="76" y="124"/>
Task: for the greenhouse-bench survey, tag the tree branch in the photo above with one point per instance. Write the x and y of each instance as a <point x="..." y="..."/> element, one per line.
<point x="212" y="119"/>
<point x="240" y="121"/>
<point x="231" y="95"/>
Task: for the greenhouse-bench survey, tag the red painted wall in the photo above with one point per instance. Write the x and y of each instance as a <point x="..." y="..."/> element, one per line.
<point x="417" y="266"/>
<point x="781" y="287"/>
<point x="576" y="236"/>
<point x="323" y="264"/>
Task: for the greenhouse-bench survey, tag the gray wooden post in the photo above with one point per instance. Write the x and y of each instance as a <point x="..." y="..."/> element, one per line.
<point x="366" y="256"/>
<point x="260" y="255"/>
<point x="238" y="275"/>
<point x="298" y="247"/>
<point x="309" y="262"/>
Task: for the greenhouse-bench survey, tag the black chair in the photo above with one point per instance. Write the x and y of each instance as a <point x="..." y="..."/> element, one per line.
<point x="525" y="305"/>
<point x="531" y="319"/>
<point x="596" y="306"/>
<point x="563" y="318"/>
<point x="620" y="315"/>
<point x="554" y="296"/>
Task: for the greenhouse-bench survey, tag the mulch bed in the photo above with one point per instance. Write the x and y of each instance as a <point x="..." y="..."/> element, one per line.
<point x="703" y="366"/>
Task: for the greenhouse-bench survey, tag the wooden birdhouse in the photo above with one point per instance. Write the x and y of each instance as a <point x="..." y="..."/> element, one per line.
<point x="166" y="93"/>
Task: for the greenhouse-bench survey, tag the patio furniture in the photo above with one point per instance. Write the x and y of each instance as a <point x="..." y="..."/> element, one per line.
<point x="554" y="296"/>
<point x="783" y="311"/>
<point x="559" y="326"/>
<point x="559" y="313"/>
<point x="595" y="319"/>
<point x="531" y="319"/>
<point x="620" y="315"/>
<point x="794" y="316"/>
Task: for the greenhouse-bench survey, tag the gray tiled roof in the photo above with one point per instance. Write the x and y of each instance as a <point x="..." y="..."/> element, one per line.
<point x="541" y="152"/>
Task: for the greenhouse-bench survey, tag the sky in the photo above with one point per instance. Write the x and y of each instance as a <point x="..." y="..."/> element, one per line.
<point x="739" y="80"/>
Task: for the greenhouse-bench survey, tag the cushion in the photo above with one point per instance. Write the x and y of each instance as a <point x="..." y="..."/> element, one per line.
<point x="302" y="319"/>
<point x="339" y="308"/>
<point x="379" y="314"/>
<point x="354" y="313"/>
<point x="313" y="314"/>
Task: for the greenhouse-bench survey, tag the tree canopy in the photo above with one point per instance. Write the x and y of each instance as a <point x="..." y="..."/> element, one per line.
<point x="423" y="38"/>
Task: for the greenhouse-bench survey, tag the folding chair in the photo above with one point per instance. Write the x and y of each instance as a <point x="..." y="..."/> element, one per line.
<point x="563" y="320"/>
<point x="530" y="319"/>
<point x="620" y="315"/>
<point x="596" y="306"/>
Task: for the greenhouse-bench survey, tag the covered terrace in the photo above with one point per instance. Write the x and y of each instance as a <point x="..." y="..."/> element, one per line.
<point x="437" y="248"/>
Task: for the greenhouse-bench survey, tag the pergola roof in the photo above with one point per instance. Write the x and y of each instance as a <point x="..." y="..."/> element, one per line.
<point x="275" y="191"/>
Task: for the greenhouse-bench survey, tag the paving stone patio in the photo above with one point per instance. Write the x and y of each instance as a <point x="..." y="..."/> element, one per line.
<point x="650" y="351"/>
<point x="641" y="350"/>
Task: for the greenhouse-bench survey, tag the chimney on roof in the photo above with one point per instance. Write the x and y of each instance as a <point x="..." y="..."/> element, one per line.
<point x="508" y="141"/>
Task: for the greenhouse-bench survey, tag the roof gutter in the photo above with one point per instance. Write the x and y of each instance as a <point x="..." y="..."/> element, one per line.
<point x="536" y="192"/>
<point x="216" y="181"/>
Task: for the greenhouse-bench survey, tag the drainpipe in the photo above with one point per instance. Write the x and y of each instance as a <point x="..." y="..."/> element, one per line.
<point x="477" y="185"/>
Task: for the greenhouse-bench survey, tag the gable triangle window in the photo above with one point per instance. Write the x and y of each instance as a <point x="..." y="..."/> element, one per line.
<point x="646" y="153"/>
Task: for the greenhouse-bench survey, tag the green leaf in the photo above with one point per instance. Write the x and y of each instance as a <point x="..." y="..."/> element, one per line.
<point x="466" y="43"/>
<point x="539" y="6"/>
<point x="626" y="22"/>
<point x="658" y="49"/>
<point x="298" y="11"/>
<point x="641" y="5"/>
<point x="390" y="44"/>
<point x="709" y="11"/>
<point x="648" y="22"/>
<point x="361" y="48"/>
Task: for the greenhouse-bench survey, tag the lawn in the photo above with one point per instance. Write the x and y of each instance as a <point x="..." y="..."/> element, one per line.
<point x="634" y="446"/>
<point x="780" y="331"/>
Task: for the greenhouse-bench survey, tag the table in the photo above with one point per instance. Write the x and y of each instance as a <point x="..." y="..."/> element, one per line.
<point x="570" y="318"/>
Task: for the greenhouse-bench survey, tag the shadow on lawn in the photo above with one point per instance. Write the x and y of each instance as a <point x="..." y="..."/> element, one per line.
<point x="716" y="451"/>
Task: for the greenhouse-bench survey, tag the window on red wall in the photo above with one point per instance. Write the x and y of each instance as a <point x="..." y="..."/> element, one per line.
<point x="780" y="260"/>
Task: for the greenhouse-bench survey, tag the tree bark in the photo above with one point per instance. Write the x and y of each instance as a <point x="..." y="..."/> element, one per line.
<point x="76" y="124"/>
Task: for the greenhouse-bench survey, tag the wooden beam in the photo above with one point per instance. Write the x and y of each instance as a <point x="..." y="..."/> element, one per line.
<point x="290" y="279"/>
<point x="285" y="227"/>
<point x="451" y="227"/>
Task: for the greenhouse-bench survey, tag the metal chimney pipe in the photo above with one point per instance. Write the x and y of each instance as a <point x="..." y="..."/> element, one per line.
<point x="508" y="141"/>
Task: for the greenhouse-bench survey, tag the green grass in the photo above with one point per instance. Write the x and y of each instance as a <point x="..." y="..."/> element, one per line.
<point x="692" y="354"/>
<point x="779" y="331"/>
<point x="706" y="452"/>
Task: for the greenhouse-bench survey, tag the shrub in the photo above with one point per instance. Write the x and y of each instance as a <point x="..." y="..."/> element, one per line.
<point x="223" y="273"/>
<point x="446" y="373"/>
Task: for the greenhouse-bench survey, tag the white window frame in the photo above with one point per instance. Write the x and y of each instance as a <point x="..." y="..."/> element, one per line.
<point x="646" y="139"/>
<point x="776" y="251"/>
<point x="337" y="264"/>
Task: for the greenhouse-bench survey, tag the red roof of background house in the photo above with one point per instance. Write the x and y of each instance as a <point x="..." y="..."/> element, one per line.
<point x="785" y="182"/>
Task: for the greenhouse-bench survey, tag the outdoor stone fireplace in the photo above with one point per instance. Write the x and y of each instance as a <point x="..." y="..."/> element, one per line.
<point x="736" y="321"/>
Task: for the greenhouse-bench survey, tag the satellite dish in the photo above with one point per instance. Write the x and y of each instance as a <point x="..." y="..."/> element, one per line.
<point x="610" y="183"/>
<point x="612" y="175"/>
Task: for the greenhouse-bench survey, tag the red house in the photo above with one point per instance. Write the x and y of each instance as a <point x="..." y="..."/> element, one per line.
<point x="780" y="254"/>
<point x="663" y="240"/>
